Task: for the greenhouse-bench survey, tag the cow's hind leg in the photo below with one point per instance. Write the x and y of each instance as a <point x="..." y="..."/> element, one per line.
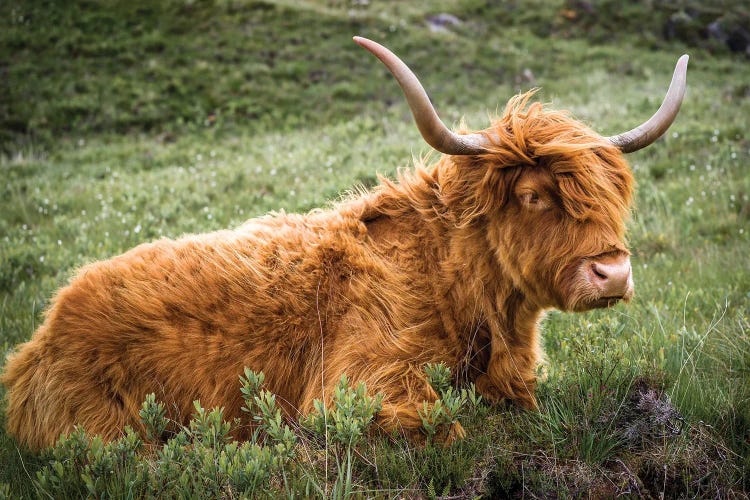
<point x="45" y="399"/>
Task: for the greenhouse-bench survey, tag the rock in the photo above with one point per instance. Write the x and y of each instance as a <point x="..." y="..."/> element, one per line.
<point x="732" y="32"/>
<point x="441" y="23"/>
<point x="526" y="76"/>
<point x="739" y="40"/>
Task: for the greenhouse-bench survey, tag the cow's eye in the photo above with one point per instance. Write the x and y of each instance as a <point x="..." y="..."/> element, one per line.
<point x="530" y="198"/>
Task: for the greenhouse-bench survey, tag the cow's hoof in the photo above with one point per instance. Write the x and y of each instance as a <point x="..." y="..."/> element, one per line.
<point x="528" y="403"/>
<point x="455" y="433"/>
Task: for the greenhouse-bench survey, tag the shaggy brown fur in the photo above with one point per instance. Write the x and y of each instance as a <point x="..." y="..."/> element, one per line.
<point x="454" y="262"/>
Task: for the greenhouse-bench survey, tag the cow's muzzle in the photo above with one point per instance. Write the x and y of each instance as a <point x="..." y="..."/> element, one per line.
<point x="611" y="277"/>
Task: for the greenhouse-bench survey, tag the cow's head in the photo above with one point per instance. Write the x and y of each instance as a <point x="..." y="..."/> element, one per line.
<point x="552" y="195"/>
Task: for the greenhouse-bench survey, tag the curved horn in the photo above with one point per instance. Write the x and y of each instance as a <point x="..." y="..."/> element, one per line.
<point x="648" y="132"/>
<point x="430" y="126"/>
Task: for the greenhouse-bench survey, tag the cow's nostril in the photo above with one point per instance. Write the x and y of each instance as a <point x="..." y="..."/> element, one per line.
<point x="598" y="272"/>
<point x="611" y="276"/>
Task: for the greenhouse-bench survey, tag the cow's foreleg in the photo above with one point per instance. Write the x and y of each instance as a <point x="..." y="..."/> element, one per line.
<point x="406" y="421"/>
<point x="404" y="389"/>
<point x="510" y="375"/>
<point x="404" y="395"/>
<point x="402" y="407"/>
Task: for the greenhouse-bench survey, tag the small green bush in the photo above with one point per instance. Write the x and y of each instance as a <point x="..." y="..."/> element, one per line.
<point x="445" y="411"/>
<point x="352" y="412"/>
<point x="343" y="426"/>
<point x="81" y="465"/>
<point x="262" y="404"/>
<point x="153" y="416"/>
<point x="201" y="460"/>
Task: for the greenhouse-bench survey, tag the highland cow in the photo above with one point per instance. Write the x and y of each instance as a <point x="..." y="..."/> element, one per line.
<point x="454" y="262"/>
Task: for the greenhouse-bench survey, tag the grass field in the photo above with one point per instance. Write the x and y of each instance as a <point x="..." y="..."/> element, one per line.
<point x="123" y="122"/>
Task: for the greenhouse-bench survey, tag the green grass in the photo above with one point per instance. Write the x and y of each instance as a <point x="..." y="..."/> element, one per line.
<point x="121" y="122"/>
